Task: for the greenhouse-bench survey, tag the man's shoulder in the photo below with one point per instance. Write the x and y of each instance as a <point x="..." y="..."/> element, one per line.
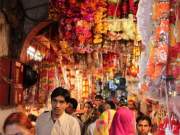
<point x="44" y="124"/>
<point x="92" y="125"/>
<point x="70" y="118"/>
<point x="44" y="115"/>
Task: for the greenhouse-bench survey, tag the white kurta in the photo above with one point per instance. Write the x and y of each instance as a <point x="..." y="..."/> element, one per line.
<point x="66" y="125"/>
<point x="90" y="129"/>
<point x="44" y="124"/>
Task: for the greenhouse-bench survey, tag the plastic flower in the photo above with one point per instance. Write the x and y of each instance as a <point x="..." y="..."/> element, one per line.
<point x="97" y="39"/>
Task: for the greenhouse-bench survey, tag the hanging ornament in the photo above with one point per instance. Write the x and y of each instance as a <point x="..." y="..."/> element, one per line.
<point x="144" y="21"/>
<point x="134" y="70"/>
<point x="4" y="34"/>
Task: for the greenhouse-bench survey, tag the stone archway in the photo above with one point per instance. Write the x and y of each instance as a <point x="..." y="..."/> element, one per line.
<point x="33" y="33"/>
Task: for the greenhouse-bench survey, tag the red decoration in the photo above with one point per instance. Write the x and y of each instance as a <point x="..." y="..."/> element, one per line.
<point x="174" y="51"/>
<point x="125" y="8"/>
<point x="134" y="71"/>
<point x="174" y="125"/>
<point x="131" y="6"/>
<point x="111" y="10"/>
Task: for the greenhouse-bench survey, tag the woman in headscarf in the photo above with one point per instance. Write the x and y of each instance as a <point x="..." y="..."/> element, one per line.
<point x="123" y="122"/>
<point x="103" y="124"/>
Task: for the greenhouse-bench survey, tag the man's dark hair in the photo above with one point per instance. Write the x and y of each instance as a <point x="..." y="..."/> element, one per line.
<point x="89" y="103"/>
<point x="32" y="117"/>
<point x="101" y="109"/>
<point x="111" y="103"/>
<point x="144" y="117"/>
<point x="99" y="97"/>
<point x="74" y="103"/>
<point x="59" y="91"/>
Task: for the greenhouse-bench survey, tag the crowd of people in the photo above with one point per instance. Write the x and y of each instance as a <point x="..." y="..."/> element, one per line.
<point x="98" y="117"/>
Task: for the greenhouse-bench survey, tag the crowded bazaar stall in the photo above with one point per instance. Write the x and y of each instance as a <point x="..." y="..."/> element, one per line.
<point x="87" y="43"/>
<point x="95" y="47"/>
<point x="113" y="48"/>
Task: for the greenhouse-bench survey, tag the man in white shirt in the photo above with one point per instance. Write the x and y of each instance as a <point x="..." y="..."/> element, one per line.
<point x="57" y="122"/>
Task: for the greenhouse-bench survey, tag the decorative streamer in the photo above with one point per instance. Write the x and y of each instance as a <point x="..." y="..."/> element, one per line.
<point x="4" y="35"/>
<point x="57" y="77"/>
<point x="144" y="21"/>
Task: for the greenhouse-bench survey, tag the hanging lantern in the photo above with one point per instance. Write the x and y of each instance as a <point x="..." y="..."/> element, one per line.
<point x="134" y="70"/>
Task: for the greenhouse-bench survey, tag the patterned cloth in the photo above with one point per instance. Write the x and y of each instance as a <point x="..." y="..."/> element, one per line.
<point x="103" y="124"/>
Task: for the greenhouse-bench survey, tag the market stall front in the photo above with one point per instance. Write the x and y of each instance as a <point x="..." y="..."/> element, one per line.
<point x="83" y="46"/>
<point x="109" y="47"/>
<point x="94" y="47"/>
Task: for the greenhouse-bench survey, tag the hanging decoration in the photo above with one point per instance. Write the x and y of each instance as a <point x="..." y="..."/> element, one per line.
<point x="161" y="48"/>
<point x="156" y="66"/>
<point x="145" y="27"/>
<point x="4" y="34"/>
<point x="164" y="48"/>
<point x="94" y="39"/>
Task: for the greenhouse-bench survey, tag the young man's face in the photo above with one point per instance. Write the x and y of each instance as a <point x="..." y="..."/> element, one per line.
<point x="87" y="108"/>
<point x="98" y="102"/>
<point x="143" y="127"/>
<point x="58" y="105"/>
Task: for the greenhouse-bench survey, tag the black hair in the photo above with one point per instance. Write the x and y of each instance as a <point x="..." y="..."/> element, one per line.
<point x="32" y="117"/>
<point x="123" y="101"/>
<point x="144" y="117"/>
<point x="74" y="103"/>
<point x="111" y="103"/>
<point x="89" y="103"/>
<point x="101" y="109"/>
<point x="59" y="91"/>
<point x="98" y="97"/>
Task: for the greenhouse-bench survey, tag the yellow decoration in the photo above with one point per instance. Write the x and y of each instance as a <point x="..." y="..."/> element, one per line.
<point x="129" y="28"/>
<point x="65" y="49"/>
<point x="114" y="36"/>
<point x="97" y="39"/>
<point x="138" y="35"/>
<point x="113" y="1"/>
<point x="177" y="30"/>
<point x="98" y="28"/>
<point x="132" y="97"/>
<point x="114" y="25"/>
<point x="172" y="35"/>
<point x="103" y="124"/>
